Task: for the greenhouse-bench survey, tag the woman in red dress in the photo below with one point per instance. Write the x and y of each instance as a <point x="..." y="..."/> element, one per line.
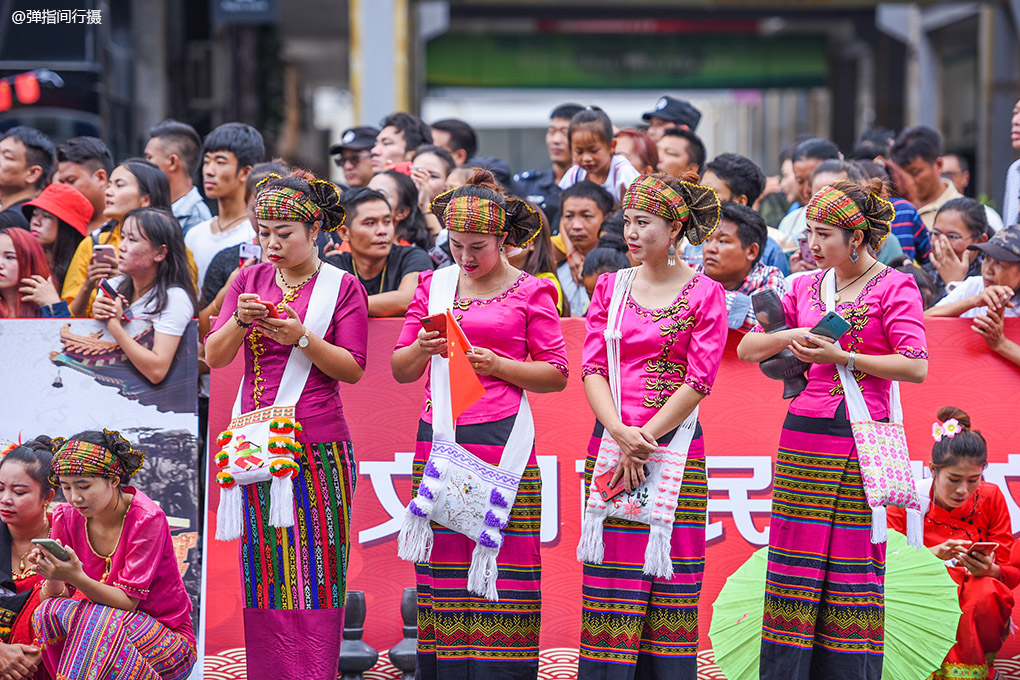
<point x="961" y="510"/>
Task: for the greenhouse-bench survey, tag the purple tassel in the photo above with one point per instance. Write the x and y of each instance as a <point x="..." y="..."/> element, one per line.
<point x="493" y="521"/>
<point x="416" y="511"/>
<point x="487" y="541"/>
<point x="496" y="498"/>
<point x="426" y="492"/>
<point x="431" y="471"/>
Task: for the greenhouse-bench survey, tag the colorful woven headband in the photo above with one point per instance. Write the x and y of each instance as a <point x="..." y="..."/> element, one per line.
<point x="654" y="196"/>
<point x="474" y="215"/>
<point x="950" y="429"/>
<point x="284" y="203"/>
<point x="833" y="207"/>
<point x="76" y="458"/>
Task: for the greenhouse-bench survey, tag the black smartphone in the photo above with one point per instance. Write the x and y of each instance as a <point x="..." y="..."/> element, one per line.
<point x="831" y="326"/>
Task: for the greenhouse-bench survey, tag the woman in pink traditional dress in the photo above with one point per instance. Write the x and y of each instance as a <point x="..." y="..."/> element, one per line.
<point x="823" y="594"/>
<point x="510" y="318"/>
<point x="295" y="578"/>
<point x="673" y="326"/>
<point x="117" y="607"/>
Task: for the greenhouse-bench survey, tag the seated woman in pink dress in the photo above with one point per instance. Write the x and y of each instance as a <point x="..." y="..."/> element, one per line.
<point x="961" y="509"/>
<point x="510" y="319"/>
<point x="117" y="607"/>
<point x="673" y="327"/>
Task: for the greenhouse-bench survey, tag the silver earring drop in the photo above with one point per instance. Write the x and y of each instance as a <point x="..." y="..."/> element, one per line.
<point x="671" y="255"/>
<point x="854" y="256"/>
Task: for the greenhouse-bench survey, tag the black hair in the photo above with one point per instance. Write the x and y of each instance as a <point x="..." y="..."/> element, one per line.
<point x="111" y="440"/>
<point x="355" y="196"/>
<point x="240" y="139"/>
<point x="152" y="181"/>
<point x="595" y="119"/>
<point x="89" y="152"/>
<point x="873" y="142"/>
<point x="185" y="141"/>
<point x="541" y="258"/>
<point x="787" y="153"/>
<point x="588" y="189"/>
<point x="160" y="228"/>
<point x="740" y="173"/>
<point x="834" y="166"/>
<point x="971" y="212"/>
<point x="416" y="132"/>
<point x="440" y="153"/>
<point x="695" y="147"/>
<point x="565" y="111"/>
<point x="815" y="148"/>
<point x="924" y="283"/>
<point x="259" y="172"/>
<point x="962" y="160"/>
<point x="412" y="228"/>
<point x="612" y="224"/>
<point x="36" y="455"/>
<point x="63" y="249"/>
<point x="39" y="150"/>
<point x="462" y="136"/>
<point x="966" y="444"/>
<point x="917" y="142"/>
<point x="604" y="258"/>
<point x="522" y="221"/>
<point x="751" y="228"/>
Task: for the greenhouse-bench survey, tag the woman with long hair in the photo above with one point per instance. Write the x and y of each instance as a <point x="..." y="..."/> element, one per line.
<point x="510" y="319"/>
<point x="21" y="259"/>
<point x="296" y="357"/>
<point x="823" y="593"/>
<point x="961" y="511"/>
<point x="115" y="604"/>
<point x="155" y="285"/>
<point x="402" y="194"/>
<point x="25" y="497"/>
<point x="59" y="217"/>
<point x="642" y="567"/>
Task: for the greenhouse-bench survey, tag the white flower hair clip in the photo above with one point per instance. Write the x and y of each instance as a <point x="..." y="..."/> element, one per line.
<point x="950" y="428"/>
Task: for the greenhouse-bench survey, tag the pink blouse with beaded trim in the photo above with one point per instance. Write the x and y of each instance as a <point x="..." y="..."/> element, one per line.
<point x="662" y="349"/>
<point x="886" y="318"/>
<point x="520" y="323"/>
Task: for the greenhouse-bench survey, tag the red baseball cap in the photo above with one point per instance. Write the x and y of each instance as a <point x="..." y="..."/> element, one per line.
<point x="66" y="203"/>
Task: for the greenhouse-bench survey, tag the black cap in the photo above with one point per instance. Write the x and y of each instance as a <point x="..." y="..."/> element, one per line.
<point x="677" y="111"/>
<point x="356" y="139"/>
<point x="1004" y="246"/>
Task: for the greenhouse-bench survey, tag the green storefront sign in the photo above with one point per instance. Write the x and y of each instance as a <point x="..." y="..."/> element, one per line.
<point x="642" y="61"/>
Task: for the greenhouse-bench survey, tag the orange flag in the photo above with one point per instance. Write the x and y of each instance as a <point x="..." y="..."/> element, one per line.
<point x="465" y="387"/>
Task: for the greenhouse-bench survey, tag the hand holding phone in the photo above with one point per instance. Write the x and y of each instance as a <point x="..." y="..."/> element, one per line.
<point x="832" y="326"/>
<point x="247" y="251"/>
<point x="436" y="322"/>
<point x="605" y="490"/>
<point x="106" y="254"/>
<point x="109" y="291"/>
<point x="983" y="548"/>
<point x="271" y="310"/>
<point x="53" y="547"/>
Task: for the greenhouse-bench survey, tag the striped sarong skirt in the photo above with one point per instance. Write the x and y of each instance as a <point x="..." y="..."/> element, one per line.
<point x="635" y="626"/>
<point x="462" y="635"/>
<point x="824" y="587"/>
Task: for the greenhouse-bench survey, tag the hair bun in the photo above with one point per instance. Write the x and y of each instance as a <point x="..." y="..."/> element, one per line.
<point x="327" y="196"/>
<point x="706" y="211"/>
<point x="522" y="222"/>
<point x="950" y="412"/>
<point x="130" y="458"/>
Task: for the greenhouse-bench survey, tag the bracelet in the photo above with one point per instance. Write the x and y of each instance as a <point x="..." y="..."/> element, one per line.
<point x="237" y="320"/>
<point x="851" y="358"/>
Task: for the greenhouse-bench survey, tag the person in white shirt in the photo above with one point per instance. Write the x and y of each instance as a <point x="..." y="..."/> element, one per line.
<point x="175" y="148"/>
<point x="594" y="150"/>
<point x="230" y="151"/>
<point x="995" y="289"/>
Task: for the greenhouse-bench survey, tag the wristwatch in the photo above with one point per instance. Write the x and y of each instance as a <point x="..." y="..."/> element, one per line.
<point x="302" y="342"/>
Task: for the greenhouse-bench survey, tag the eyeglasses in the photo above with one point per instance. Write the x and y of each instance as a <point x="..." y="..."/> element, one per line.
<point x="952" y="237"/>
<point x="341" y="161"/>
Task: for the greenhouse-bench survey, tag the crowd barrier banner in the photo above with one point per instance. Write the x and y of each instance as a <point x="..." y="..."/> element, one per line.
<point x="741" y="418"/>
<point x="63" y="376"/>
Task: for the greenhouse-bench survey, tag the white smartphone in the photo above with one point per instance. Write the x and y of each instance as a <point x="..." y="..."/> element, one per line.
<point x="105" y="253"/>
<point x="53" y="548"/>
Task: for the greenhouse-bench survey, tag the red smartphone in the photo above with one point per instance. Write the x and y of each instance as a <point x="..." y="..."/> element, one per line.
<point x="436" y="322"/>
<point x="986" y="548"/>
<point x="270" y="308"/>
<point x="403" y="167"/>
<point x="110" y="292"/>
<point x="607" y="492"/>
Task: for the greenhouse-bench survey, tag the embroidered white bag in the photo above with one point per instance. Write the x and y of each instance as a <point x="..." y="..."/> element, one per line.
<point x="881" y="451"/>
<point x="459" y="490"/>
<point x="654" y="502"/>
<point x="262" y="445"/>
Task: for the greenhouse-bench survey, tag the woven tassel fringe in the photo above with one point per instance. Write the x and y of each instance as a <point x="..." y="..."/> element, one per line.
<point x="658" y="562"/>
<point x="414" y="543"/>
<point x="229" y="522"/>
<point x="879" y="527"/>
<point x="483" y="573"/>
<point x="281" y="501"/>
<point x="915" y="529"/>
<point x="591" y="547"/>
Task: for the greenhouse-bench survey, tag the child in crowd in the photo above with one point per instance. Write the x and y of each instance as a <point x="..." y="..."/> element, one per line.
<point x="996" y="287"/>
<point x="584" y="207"/>
<point x="595" y="159"/>
<point x="610" y="255"/>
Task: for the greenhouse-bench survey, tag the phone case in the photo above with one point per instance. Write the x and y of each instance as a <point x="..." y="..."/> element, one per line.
<point x="606" y="492"/>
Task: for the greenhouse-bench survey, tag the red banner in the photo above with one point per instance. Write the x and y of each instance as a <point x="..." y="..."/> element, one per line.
<point x="741" y="419"/>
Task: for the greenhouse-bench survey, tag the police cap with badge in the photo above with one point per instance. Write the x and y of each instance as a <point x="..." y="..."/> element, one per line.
<point x="676" y="111"/>
<point x="355" y="139"/>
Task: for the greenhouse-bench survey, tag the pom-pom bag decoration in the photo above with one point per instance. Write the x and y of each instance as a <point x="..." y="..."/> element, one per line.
<point x="262" y="445"/>
<point x="459" y="490"/>
<point x="881" y="451"/>
<point x="654" y="502"/>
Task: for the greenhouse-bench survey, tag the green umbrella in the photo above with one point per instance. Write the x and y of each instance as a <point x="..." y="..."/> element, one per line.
<point x="922" y="611"/>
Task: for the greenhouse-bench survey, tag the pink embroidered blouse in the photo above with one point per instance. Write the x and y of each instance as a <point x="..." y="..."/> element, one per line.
<point x="520" y="323"/>
<point x="319" y="410"/>
<point x="144" y="564"/>
<point x="886" y="318"/>
<point x="661" y="349"/>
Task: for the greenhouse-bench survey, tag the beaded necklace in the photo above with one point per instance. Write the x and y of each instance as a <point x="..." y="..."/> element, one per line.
<point x="254" y="337"/>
